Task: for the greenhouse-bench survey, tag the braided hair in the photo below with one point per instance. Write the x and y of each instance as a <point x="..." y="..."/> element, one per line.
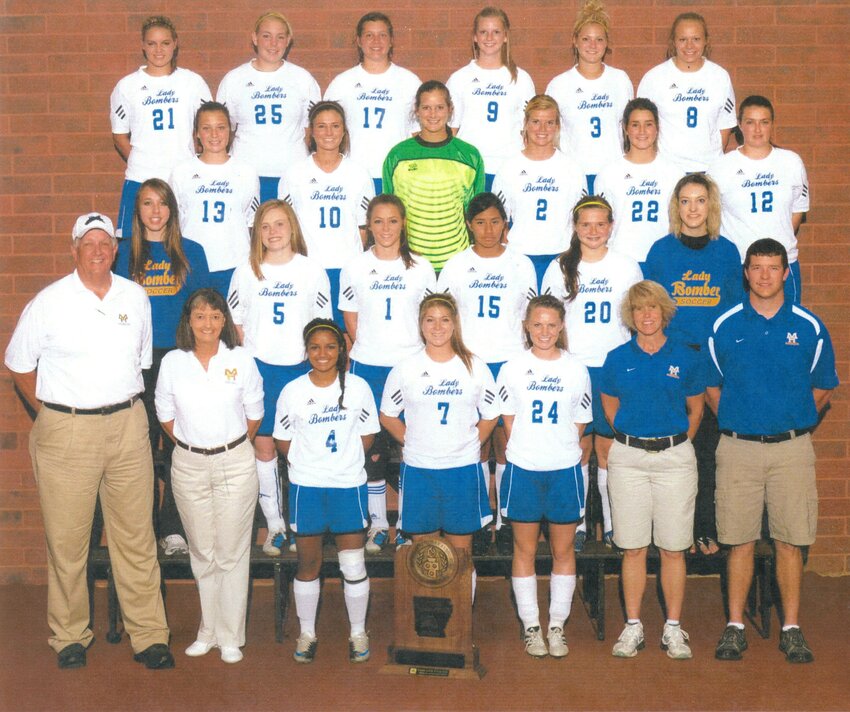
<point x="342" y="355"/>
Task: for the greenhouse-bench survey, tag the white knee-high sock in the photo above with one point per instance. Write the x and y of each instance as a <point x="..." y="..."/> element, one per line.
<point x="474" y="583"/>
<point x="525" y="593"/>
<point x="378" y="504"/>
<point x="485" y="468"/>
<point x="561" y="590"/>
<point x="500" y="471"/>
<point x="355" y="586"/>
<point x="602" y="483"/>
<point x="306" y="595"/>
<point x="585" y="476"/>
<point x="270" y="494"/>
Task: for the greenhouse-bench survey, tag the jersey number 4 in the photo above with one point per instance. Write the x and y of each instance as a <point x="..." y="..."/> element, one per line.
<point x="330" y="443"/>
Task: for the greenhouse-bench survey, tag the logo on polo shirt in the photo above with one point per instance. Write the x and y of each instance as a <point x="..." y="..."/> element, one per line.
<point x="673" y="372"/>
<point x="791" y="339"/>
<point x="122" y="319"/>
<point x="230" y="374"/>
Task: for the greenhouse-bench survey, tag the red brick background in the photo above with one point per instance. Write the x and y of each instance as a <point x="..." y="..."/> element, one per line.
<point x="59" y="61"/>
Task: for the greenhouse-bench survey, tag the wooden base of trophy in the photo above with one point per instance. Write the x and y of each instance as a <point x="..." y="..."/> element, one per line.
<point x="433" y="612"/>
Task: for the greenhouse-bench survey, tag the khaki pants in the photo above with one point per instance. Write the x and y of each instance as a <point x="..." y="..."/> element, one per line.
<point x="74" y="458"/>
<point x="216" y="496"/>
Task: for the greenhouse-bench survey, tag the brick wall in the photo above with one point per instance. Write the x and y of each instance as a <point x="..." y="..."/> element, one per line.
<point x="60" y="60"/>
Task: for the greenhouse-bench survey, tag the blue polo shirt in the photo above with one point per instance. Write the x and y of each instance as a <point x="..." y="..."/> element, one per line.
<point x="703" y="283"/>
<point x="767" y="368"/>
<point x="166" y="297"/>
<point x="652" y="388"/>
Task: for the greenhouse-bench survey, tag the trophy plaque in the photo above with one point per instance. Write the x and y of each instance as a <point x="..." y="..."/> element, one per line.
<point x="433" y="612"/>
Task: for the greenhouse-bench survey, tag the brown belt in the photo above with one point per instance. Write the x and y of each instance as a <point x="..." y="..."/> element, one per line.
<point x="104" y="410"/>
<point x="212" y="450"/>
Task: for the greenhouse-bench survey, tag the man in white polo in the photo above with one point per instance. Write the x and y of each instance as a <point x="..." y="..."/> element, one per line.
<point x="76" y="357"/>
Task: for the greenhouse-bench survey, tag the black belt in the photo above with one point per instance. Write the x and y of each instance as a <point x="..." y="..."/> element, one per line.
<point x="212" y="450"/>
<point x="105" y="410"/>
<point x="778" y="438"/>
<point x="651" y="444"/>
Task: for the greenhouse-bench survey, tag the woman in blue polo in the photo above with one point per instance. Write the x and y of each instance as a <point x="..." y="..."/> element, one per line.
<point x="652" y="394"/>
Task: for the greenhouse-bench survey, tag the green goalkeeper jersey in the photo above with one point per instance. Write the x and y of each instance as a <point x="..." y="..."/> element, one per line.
<point x="435" y="181"/>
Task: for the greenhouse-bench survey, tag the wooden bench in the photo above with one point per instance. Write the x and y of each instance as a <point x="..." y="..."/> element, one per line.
<point x="593" y="563"/>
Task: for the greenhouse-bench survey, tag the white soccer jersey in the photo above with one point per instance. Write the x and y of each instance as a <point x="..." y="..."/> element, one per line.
<point x="330" y="207"/>
<point x="489" y="110"/>
<point x="269" y="111"/>
<point x="693" y="107"/>
<point x="547" y="399"/>
<point x="758" y="197"/>
<point x="592" y="115"/>
<point x="327" y="445"/>
<point x="539" y="197"/>
<point x="158" y="113"/>
<point x="386" y="297"/>
<point x="273" y="311"/>
<point x="442" y="404"/>
<point x="639" y="194"/>
<point x="378" y="111"/>
<point x="492" y="295"/>
<point x="217" y="202"/>
<point x="593" y="321"/>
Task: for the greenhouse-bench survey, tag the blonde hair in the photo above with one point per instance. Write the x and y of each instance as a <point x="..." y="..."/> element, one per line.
<point x="712" y="222"/>
<point x="499" y="13"/>
<point x="647" y="293"/>
<point x="687" y="17"/>
<point x="258" y="249"/>
<point x="542" y="102"/>
<point x="545" y="301"/>
<point x="447" y="302"/>
<point x="592" y="12"/>
<point x="166" y="24"/>
<point x="272" y="15"/>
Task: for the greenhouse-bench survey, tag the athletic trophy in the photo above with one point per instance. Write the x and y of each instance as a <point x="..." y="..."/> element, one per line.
<point x="433" y="612"/>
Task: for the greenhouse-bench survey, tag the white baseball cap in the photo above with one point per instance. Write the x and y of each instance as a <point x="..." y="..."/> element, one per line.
<point x="92" y="221"/>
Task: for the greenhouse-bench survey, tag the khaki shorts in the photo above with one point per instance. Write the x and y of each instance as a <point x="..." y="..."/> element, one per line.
<point x="652" y="496"/>
<point x="780" y="475"/>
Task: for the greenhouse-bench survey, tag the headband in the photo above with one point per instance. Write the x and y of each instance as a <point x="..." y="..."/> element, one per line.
<point x="436" y="298"/>
<point x="589" y="204"/>
<point x="329" y="327"/>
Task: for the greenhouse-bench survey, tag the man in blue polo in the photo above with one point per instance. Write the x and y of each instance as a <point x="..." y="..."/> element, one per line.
<point x="775" y="370"/>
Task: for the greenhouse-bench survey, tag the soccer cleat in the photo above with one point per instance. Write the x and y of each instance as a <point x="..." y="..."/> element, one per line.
<point x="795" y="647"/>
<point x="358" y="648"/>
<point x="732" y="644"/>
<point x="608" y="539"/>
<point x="675" y="641"/>
<point x="535" y="646"/>
<point x="401" y="540"/>
<point x="293" y="545"/>
<point x="305" y="648"/>
<point x="557" y="643"/>
<point x="630" y="641"/>
<point x="274" y="543"/>
<point x="578" y="545"/>
<point x="174" y="544"/>
<point x="481" y="541"/>
<point x="375" y="540"/>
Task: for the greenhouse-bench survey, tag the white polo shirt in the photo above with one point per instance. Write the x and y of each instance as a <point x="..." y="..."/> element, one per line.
<point x="209" y="407"/>
<point x="89" y="352"/>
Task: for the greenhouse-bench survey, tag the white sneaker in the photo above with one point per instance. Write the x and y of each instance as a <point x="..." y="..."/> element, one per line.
<point x="675" y="641"/>
<point x="199" y="648"/>
<point x="274" y="542"/>
<point x="375" y="540"/>
<point x="358" y="648"/>
<point x="230" y="654"/>
<point x="630" y="641"/>
<point x="557" y="643"/>
<point x="535" y="646"/>
<point x="305" y="648"/>
<point x="174" y="544"/>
